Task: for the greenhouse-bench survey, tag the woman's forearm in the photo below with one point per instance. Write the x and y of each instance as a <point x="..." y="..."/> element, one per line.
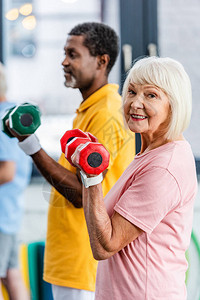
<point x="108" y="235"/>
<point x="98" y="222"/>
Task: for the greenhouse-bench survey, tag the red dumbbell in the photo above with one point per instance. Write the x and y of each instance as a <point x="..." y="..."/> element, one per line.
<point x="94" y="158"/>
<point x="71" y="140"/>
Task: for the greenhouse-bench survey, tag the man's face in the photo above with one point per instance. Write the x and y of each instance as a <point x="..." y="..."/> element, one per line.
<point x="80" y="68"/>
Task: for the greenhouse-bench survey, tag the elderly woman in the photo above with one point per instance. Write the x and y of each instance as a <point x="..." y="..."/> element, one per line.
<point x="141" y="230"/>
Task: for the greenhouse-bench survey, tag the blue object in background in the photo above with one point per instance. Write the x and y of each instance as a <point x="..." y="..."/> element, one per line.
<point x="39" y="289"/>
<point x="11" y="193"/>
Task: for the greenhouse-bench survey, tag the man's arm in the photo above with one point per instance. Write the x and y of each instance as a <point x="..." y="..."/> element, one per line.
<point x="64" y="181"/>
<point x="7" y="171"/>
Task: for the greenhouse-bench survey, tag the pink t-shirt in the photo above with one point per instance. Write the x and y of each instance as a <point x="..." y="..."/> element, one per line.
<point x="155" y="193"/>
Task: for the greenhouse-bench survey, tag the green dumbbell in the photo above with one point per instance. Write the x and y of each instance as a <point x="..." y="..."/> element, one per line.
<point x="4" y="118"/>
<point x="24" y="119"/>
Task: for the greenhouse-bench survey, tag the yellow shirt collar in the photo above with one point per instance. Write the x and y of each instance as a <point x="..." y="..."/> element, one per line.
<point x="95" y="97"/>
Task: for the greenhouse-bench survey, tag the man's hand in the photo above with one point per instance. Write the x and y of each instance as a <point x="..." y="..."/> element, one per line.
<point x="19" y="137"/>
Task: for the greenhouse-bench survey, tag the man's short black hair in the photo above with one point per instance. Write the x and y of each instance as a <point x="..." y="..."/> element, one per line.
<point x="99" y="39"/>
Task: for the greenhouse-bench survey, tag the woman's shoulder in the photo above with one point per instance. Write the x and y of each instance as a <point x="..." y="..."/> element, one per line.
<point x="171" y="154"/>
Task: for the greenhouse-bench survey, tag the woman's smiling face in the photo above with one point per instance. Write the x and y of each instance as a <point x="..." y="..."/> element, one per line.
<point x="147" y="110"/>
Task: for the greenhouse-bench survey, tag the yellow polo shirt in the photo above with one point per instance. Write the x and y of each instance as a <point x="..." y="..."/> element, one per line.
<point x="68" y="256"/>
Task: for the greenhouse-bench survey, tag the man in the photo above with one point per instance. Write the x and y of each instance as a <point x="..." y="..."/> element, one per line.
<point x="90" y="52"/>
<point x="15" y="171"/>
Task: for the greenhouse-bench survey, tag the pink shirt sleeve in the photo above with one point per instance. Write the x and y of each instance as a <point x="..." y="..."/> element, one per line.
<point x="150" y="197"/>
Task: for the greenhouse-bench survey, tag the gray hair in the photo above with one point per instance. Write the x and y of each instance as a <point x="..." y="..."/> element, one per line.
<point x="170" y="76"/>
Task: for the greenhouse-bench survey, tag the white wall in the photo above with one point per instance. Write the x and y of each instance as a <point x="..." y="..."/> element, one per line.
<point x="40" y="79"/>
<point x="179" y="31"/>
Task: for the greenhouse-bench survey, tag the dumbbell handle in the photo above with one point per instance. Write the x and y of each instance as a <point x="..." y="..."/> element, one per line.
<point x="71" y="145"/>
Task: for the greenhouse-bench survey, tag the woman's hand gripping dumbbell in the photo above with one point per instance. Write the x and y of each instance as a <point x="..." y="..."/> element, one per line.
<point x="83" y="151"/>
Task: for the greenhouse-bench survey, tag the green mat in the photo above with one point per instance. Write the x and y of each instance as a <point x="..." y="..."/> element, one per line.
<point x="34" y="269"/>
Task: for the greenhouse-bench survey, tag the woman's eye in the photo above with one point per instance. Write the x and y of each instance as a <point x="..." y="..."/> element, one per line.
<point x="151" y="96"/>
<point x="131" y="92"/>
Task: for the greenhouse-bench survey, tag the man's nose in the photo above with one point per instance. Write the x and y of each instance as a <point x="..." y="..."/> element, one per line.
<point x="65" y="62"/>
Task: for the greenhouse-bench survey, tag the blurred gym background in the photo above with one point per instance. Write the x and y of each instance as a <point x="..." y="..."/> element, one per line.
<point x="32" y="38"/>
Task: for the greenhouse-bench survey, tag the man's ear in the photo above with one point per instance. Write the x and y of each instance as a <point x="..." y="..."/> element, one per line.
<point x="103" y="61"/>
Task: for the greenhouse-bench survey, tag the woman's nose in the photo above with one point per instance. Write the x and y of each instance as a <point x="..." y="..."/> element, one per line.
<point x="137" y="102"/>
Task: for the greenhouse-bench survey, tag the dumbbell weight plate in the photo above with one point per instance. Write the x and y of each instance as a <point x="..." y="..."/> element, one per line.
<point x="94" y="158"/>
<point x="25" y="119"/>
<point x="4" y="118"/>
<point x="72" y="144"/>
<point x="69" y="135"/>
